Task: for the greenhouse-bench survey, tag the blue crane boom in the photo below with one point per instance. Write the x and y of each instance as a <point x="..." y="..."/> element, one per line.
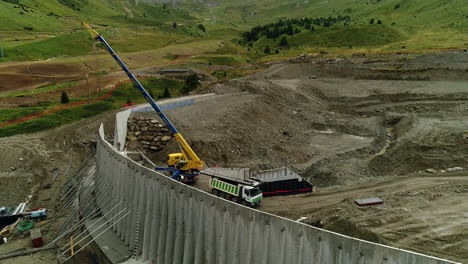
<point x="184" y="166"/>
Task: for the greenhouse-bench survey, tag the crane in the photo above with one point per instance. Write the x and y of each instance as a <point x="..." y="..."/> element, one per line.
<point x="184" y="166"/>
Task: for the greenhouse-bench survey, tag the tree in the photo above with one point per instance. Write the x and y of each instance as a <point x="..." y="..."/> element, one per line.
<point x="379" y="22"/>
<point x="277" y="51"/>
<point x="191" y="83"/>
<point x="166" y="93"/>
<point x="284" y="42"/>
<point x="289" y="30"/>
<point x="64" y="98"/>
<point x="371" y="21"/>
<point x="202" y="27"/>
<point x="397" y="6"/>
<point x="174" y="25"/>
<point x="267" y="50"/>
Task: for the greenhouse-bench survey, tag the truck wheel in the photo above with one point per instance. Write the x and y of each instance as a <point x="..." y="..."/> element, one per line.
<point x="244" y="203"/>
<point x="221" y="195"/>
<point x="228" y="197"/>
<point x="235" y="199"/>
<point x="214" y="192"/>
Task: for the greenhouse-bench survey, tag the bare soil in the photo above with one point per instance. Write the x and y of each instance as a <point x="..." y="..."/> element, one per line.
<point x="356" y="128"/>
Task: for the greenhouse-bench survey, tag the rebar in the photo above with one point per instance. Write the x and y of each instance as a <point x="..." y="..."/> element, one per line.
<point x="83" y="247"/>
<point x="99" y="227"/>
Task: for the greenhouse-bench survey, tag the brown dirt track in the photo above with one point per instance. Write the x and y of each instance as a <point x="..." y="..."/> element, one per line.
<point x="26" y="76"/>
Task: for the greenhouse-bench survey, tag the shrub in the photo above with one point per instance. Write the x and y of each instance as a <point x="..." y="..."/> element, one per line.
<point x="191" y="83"/>
<point x="166" y="93"/>
<point x="202" y="27"/>
<point x="64" y="98"/>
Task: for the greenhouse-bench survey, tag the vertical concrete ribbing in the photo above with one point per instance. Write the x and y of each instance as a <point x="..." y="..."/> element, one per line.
<point x="189" y="241"/>
<point x="162" y="232"/>
<point x="155" y="222"/>
<point x="148" y="218"/>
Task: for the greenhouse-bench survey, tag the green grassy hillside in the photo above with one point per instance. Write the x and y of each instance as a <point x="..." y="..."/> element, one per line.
<point x="412" y="24"/>
<point x="36" y="29"/>
<point x="64" y="15"/>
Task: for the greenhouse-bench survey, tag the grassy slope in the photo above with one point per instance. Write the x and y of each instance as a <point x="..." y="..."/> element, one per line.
<point x="418" y="24"/>
<point x="30" y="32"/>
<point x="120" y="96"/>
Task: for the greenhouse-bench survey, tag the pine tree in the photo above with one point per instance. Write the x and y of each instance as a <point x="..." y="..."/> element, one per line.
<point x="202" y="27"/>
<point x="284" y="42"/>
<point x="191" y="83"/>
<point x="166" y="93"/>
<point x="64" y="98"/>
<point x="267" y="50"/>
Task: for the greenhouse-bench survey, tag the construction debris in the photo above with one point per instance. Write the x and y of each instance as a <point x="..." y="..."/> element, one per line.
<point x="147" y="133"/>
<point x="368" y="201"/>
<point x="454" y="169"/>
<point x="36" y="237"/>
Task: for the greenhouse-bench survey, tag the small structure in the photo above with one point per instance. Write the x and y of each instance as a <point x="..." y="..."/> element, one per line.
<point x="176" y="73"/>
<point x="368" y="201"/>
<point x="36" y="237"/>
<point x="281" y="181"/>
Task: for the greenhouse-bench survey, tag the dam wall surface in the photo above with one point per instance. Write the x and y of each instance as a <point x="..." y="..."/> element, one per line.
<point x="170" y="222"/>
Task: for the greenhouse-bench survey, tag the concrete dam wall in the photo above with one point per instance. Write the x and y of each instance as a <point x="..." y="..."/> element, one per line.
<point x="174" y="223"/>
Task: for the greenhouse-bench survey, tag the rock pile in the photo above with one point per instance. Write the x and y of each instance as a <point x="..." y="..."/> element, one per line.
<point x="147" y="133"/>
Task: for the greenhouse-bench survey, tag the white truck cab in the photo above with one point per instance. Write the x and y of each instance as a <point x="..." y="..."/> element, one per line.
<point x="251" y="195"/>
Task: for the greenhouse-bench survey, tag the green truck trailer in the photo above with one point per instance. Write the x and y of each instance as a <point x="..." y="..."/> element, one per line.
<point x="247" y="195"/>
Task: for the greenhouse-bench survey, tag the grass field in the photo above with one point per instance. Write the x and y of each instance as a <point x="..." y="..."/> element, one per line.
<point x="124" y="94"/>
<point x="38" y="90"/>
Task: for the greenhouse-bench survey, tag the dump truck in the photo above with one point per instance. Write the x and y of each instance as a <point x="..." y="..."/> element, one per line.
<point x="234" y="187"/>
<point x="272" y="182"/>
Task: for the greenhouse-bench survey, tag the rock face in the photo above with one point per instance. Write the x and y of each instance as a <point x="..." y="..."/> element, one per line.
<point x="147" y="133"/>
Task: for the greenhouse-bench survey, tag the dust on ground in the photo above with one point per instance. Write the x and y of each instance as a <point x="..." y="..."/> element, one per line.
<point x="355" y="127"/>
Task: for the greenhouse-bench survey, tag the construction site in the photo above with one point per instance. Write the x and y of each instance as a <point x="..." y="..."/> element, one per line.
<point x="330" y="131"/>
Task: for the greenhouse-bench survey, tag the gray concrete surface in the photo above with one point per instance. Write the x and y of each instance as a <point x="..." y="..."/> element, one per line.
<point x="180" y="224"/>
<point x="120" y="131"/>
<point x="113" y="249"/>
